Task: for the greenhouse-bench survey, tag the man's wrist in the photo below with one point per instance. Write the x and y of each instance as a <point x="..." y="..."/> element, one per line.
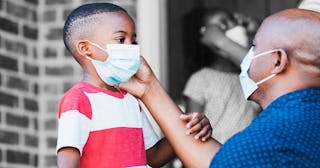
<point x="151" y="88"/>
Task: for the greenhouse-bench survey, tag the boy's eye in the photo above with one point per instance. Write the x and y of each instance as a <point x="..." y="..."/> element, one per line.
<point x="121" y="40"/>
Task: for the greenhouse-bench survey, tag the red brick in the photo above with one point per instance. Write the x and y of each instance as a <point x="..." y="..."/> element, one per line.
<point x="17" y="120"/>
<point x="50" y="52"/>
<point x="55" y="34"/>
<point x="34" y="160"/>
<point x="18" y="157"/>
<point x="8" y="137"/>
<point x="17" y="10"/>
<point x="31" y="69"/>
<point x="50" y="160"/>
<point x="54" y="2"/>
<point x="59" y="71"/>
<point x="17" y="83"/>
<point x="8" y="63"/>
<point x="49" y="16"/>
<point x="16" y="47"/>
<point x="50" y="124"/>
<point x="31" y="104"/>
<point x="8" y="25"/>
<point x="8" y="99"/>
<point x="30" y="140"/>
<point x="35" y="88"/>
<point x="35" y="2"/>
<point x="30" y="33"/>
<point x="51" y="142"/>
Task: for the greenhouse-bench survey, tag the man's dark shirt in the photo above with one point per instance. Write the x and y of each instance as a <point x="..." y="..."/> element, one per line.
<point x="285" y="134"/>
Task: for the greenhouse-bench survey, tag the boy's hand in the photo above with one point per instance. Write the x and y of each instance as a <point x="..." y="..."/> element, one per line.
<point x="139" y="84"/>
<point x="199" y="124"/>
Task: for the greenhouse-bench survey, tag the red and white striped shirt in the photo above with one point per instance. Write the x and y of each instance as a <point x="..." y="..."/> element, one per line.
<point x="109" y="129"/>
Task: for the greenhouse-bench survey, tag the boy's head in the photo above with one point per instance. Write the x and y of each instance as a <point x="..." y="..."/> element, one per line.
<point x="101" y="23"/>
<point x="87" y="32"/>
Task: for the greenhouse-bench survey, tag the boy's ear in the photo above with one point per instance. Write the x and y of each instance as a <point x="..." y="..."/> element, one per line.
<point x="281" y="62"/>
<point x="83" y="48"/>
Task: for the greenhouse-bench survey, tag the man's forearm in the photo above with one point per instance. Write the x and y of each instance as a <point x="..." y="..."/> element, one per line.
<point x="193" y="153"/>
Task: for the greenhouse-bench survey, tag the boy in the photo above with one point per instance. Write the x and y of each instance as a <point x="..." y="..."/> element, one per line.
<point x="100" y="125"/>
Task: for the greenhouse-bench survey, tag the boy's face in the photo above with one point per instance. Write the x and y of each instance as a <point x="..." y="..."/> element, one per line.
<point x="115" y="28"/>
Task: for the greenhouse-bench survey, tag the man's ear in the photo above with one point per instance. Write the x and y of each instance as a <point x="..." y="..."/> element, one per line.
<point x="281" y="62"/>
<point x="83" y="48"/>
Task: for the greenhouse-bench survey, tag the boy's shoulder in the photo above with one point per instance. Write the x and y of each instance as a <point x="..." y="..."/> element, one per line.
<point x="75" y="99"/>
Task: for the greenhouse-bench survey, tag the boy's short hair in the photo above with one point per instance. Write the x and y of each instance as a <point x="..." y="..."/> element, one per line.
<point x="81" y="19"/>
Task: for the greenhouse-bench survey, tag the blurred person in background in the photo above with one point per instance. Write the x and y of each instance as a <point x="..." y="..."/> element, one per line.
<point x="310" y="4"/>
<point x="222" y="40"/>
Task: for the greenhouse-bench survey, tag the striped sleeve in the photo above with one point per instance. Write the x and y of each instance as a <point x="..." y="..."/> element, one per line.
<point x="74" y="118"/>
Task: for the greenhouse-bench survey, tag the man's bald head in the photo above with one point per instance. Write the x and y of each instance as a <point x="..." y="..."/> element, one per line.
<point x="295" y="35"/>
<point x="297" y="31"/>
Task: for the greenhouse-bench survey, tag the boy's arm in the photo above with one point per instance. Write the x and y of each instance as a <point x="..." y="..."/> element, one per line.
<point x="68" y="158"/>
<point x="160" y="154"/>
<point x="193" y="153"/>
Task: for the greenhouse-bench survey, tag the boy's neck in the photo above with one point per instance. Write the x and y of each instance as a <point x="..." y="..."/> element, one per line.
<point x="99" y="83"/>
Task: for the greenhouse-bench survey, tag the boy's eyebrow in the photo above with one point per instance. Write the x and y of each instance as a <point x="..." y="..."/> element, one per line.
<point x="121" y="31"/>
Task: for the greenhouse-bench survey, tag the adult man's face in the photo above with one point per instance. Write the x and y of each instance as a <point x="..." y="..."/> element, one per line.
<point x="261" y="66"/>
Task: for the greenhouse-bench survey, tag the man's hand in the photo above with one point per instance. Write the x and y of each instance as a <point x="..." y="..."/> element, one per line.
<point x="199" y="124"/>
<point x="139" y="84"/>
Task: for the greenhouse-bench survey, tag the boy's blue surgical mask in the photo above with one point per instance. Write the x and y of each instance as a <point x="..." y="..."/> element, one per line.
<point x="122" y="63"/>
<point x="247" y="84"/>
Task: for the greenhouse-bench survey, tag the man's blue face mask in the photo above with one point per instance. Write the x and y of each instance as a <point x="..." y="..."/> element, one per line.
<point x="247" y="84"/>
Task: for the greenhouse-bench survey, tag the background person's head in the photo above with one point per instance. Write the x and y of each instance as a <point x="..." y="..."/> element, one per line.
<point x="198" y="44"/>
<point x="296" y="33"/>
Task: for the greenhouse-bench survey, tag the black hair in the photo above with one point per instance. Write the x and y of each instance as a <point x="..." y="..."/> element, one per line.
<point x="81" y="13"/>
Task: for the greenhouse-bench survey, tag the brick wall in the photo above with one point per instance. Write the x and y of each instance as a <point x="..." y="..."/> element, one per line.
<point x="35" y="71"/>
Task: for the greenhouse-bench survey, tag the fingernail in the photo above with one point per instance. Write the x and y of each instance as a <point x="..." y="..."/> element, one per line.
<point x="187" y="133"/>
<point x="196" y="137"/>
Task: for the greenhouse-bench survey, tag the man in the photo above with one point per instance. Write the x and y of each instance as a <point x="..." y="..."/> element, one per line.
<point x="284" y="79"/>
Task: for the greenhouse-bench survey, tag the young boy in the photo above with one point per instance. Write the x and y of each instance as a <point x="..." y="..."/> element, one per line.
<point x="100" y="125"/>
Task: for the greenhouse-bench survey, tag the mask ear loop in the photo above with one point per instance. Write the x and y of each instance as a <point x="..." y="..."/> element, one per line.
<point x="96" y="45"/>
<point x="264" y="53"/>
<point x="89" y="58"/>
<point x="265" y="79"/>
<point x="270" y="76"/>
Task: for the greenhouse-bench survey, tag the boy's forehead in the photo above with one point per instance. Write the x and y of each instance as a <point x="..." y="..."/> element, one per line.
<point x="112" y="22"/>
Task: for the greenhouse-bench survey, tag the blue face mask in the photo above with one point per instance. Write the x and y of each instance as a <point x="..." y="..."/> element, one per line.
<point x="247" y="84"/>
<point x="122" y="63"/>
